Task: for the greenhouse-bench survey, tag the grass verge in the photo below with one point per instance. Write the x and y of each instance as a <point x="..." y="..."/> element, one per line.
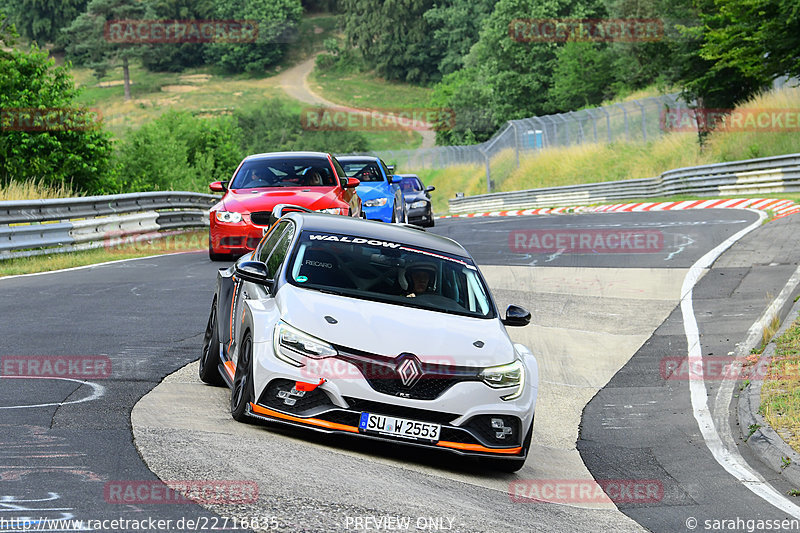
<point x="34" y="190"/>
<point x="135" y="247"/>
<point x="780" y="393"/>
<point x="594" y="163"/>
<point x="363" y="90"/>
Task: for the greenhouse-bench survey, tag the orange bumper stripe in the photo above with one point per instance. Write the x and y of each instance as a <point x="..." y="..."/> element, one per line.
<point x="478" y="448"/>
<point x="352" y="429"/>
<point x="311" y="421"/>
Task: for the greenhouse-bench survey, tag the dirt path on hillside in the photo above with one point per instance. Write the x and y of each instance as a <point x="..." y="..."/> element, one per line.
<point x="294" y="82"/>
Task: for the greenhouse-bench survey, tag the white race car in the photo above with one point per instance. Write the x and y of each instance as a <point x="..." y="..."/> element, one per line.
<point x="375" y="330"/>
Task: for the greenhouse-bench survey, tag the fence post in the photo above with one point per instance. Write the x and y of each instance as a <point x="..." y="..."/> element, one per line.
<point x="644" y="120"/>
<point x="516" y="140"/>
<point x="488" y="172"/>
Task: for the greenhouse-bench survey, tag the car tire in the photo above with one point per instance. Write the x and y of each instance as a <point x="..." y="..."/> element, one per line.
<point x="513" y="465"/>
<point x="218" y="257"/>
<point x="209" y="359"/>
<point x="394" y="217"/>
<point x="242" y="392"/>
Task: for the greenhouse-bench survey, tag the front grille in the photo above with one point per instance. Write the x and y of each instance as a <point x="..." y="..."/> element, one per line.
<point x="260" y="218"/>
<point x="231" y="241"/>
<point x="384" y="374"/>
<point x="482" y="427"/>
<point x="308" y="404"/>
<point x="422" y="415"/>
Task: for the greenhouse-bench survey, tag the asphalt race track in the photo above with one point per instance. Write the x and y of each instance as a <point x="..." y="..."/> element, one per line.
<point x="606" y="316"/>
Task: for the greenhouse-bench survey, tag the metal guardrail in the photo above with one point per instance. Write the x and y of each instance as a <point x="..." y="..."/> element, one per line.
<point x="753" y="176"/>
<point x="36" y="227"/>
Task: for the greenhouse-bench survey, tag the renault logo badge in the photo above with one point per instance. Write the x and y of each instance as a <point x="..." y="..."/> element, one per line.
<point x="409" y="371"/>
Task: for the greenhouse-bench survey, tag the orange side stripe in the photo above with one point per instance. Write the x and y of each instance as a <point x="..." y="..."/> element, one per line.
<point x="229" y="368"/>
<point x="312" y="421"/>
<point x="478" y="448"/>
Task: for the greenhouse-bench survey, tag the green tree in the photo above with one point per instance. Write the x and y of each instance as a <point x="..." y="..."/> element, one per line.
<point x="466" y="95"/>
<point x="89" y="44"/>
<point x="759" y="39"/>
<point x="179" y="151"/>
<point x="174" y="57"/>
<point x="276" y="21"/>
<point x="582" y="76"/>
<point x="44" y="135"/>
<point x="275" y="127"/>
<point x="394" y="37"/>
<point x="518" y="73"/>
<point x="42" y="20"/>
<point x="456" y="25"/>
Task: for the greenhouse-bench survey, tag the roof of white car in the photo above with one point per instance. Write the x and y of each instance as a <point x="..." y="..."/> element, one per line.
<point x="342" y="225"/>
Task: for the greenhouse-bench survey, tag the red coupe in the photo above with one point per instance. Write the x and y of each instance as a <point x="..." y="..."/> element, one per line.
<point x="312" y="180"/>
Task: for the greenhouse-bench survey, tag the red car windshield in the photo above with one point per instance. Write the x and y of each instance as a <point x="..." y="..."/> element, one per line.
<point x="284" y="172"/>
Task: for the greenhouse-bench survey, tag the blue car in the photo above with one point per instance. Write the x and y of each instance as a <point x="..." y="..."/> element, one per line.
<point x="381" y="197"/>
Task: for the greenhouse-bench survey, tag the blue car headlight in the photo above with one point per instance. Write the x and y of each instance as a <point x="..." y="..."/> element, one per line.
<point x="377" y="202"/>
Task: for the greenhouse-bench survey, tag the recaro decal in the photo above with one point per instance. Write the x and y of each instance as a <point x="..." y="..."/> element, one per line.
<point x="354" y="240"/>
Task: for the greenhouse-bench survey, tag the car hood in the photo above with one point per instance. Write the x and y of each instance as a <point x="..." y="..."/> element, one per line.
<point x="251" y="200"/>
<point x="376" y="189"/>
<point x="414" y="196"/>
<point x="390" y="330"/>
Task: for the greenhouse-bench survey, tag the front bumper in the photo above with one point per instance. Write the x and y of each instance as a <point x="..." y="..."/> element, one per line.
<point x="420" y="214"/>
<point x="234" y="239"/>
<point x="382" y="213"/>
<point x="463" y="410"/>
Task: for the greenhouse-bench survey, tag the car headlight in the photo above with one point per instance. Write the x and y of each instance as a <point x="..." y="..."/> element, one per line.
<point x="332" y="211"/>
<point x="419" y="203"/>
<point x="508" y="375"/>
<point x="377" y="202"/>
<point x="291" y="344"/>
<point x="230" y="217"/>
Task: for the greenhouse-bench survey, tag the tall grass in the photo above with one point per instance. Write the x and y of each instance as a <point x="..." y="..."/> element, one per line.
<point x="592" y="163"/>
<point x="33" y="190"/>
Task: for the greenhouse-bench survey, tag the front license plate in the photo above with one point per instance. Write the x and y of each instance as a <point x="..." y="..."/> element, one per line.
<point x="399" y="427"/>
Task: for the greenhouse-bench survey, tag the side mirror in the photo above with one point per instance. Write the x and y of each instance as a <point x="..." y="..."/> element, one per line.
<point x="390" y="168"/>
<point x="219" y="186"/>
<point x="351" y="183"/>
<point x="517" y="316"/>
<point x="430" y="188"/>
<point x="252" y="271"/>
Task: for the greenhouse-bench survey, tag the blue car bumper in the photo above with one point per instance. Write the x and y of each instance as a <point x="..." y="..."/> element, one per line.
<point x="383" y="213"/>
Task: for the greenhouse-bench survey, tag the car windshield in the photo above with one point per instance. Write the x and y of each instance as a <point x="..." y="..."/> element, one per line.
<point x="284" y="172"/>
<point x="389" y="272"/>
<point x="410" y="185"/>
<point x="363" y="171"/>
